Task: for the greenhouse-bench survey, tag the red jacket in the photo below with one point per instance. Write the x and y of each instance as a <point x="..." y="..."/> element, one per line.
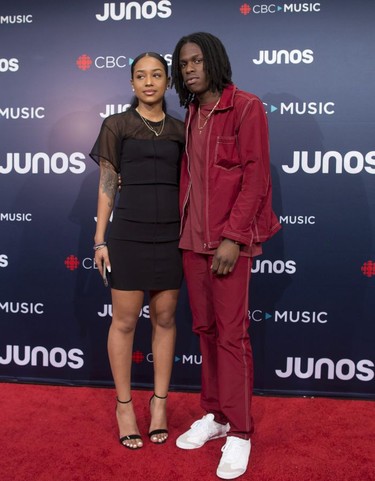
<point x="237" y="197"/>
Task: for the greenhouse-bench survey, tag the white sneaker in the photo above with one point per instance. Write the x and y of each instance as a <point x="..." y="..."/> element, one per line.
<point x="202" y="431"/>
<point x="233" y="462"/>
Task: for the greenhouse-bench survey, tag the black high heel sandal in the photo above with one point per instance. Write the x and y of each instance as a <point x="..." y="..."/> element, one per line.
<point x="129" y="437"/>
<point x="155" y="432"/>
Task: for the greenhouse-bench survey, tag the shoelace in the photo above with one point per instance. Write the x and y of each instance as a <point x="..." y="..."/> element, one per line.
<point x="202" y="425"/>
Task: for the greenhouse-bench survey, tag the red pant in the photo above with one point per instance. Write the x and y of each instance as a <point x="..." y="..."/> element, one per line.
<point x="219" y="306"/>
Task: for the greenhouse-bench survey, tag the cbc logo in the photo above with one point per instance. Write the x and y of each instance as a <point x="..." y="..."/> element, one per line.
<point x="85" y="62"/>
<point x="9" y="65"/>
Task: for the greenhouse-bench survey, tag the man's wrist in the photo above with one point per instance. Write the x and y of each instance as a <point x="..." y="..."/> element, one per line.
<point x="234" y="241"/>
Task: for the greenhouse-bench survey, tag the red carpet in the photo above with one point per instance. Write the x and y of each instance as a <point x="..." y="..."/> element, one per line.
<point x="51" y="433"/>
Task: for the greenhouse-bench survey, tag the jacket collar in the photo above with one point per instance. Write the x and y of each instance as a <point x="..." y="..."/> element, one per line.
<point x="226" y="101"/>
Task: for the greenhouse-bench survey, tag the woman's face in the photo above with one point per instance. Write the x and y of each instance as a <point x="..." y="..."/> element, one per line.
<point x="149" y="80"/>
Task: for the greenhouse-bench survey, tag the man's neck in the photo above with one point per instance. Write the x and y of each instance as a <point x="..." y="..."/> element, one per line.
<point x="208" y="97"/>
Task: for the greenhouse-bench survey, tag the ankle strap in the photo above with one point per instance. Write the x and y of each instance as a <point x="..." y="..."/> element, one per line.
<point x="160" y="397"/>
<point x="123" y="402"/>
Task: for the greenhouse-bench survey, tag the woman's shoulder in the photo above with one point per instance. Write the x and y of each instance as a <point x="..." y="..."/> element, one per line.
<point x="118" y="122"/>
<point x="177" y="124"/>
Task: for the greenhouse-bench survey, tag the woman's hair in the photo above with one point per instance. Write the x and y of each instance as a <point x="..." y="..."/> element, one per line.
<point x="161" y="59"/>
<point x="149" y="54"/>
<point x="216" y="64"/>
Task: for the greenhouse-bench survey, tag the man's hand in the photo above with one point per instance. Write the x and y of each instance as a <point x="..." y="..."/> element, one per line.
<point x="225" y="257"/>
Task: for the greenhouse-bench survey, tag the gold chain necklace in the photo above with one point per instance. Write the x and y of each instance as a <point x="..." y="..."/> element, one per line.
<point x="201" y="127"/>
<point x="147" y="124"/>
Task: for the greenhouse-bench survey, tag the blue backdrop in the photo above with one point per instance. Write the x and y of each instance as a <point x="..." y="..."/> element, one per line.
<point x="64" y="66"/>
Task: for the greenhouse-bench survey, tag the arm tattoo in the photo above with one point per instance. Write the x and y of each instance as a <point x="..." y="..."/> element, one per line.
<point x="108" y="181"/>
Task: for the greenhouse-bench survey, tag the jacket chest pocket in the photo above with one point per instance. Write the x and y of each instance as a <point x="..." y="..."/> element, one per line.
<point x="226" y="153"/>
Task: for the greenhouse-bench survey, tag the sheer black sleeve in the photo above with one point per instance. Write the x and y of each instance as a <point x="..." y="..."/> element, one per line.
<point x="108" y="144"/>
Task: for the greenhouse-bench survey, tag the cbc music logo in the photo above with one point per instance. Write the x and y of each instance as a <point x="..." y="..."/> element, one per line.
<point x="4" y="261"/>
<point x="85" y="62"/>
<point x="43" y="163"/>
<point x="290" y="317"/>
<point x="72" y="263"/>
<point x="286" y="57"/>
<point x="22" y="307"/>
<point x="135" y="11"/>
<point x="266" y="266"/>
<point x="15" y="113"/>
<point x="9" y="65"/>
<point x="343" y="369"/>
<point x="191" y="359"/>
<point x="297" y="219"/>
<point x="57" y="357"/>
<point x="16" y="217"/>
<point x="301" y="108"/>
<point x="353" y="162"/>
<point x="15" y="19"/>
<point x="246" y="9"/>
<point x="368" y="268"/>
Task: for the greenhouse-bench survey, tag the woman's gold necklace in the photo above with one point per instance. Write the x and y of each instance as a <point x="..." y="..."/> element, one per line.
<point x="201" y="127"/>
<point x="147" y="124"/>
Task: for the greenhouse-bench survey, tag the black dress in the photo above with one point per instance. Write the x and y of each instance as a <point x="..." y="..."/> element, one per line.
<point x="144" y="234"/>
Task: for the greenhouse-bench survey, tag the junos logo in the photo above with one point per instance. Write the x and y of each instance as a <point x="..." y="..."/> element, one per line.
<point x="22" y="113"/>
<point x="344" y="369"/>
<point x="135" y="11"/>
<point x="295" y="57"/>
<point x="274" y="267"/>
<point x="111" y="109"/>
<point x="10" y="64"/>
<point x="107" y="311"/>
<point x="110" y="218"/>
<point x="39" y="355"/>
<point x="43" y="163"/>
<point x="22" y="307"/>
<point x="352" y="162"/>
<point x="4" y="260"/>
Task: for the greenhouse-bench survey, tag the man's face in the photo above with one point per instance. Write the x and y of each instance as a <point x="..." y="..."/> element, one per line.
<point x="192" y="69"/>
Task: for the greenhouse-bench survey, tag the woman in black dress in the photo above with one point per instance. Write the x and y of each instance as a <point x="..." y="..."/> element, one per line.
<point x="143" y="145"/>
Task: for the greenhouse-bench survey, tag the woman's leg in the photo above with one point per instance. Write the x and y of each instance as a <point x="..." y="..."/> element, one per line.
<point x="126" y="306"/>
<point x="162" y="312"/>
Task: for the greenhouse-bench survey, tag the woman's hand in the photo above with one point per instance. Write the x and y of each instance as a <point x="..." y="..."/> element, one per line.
<point x="101" y="257"/>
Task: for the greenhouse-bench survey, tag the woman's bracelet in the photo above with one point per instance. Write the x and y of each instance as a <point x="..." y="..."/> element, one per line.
<point x="99" y="246"/>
